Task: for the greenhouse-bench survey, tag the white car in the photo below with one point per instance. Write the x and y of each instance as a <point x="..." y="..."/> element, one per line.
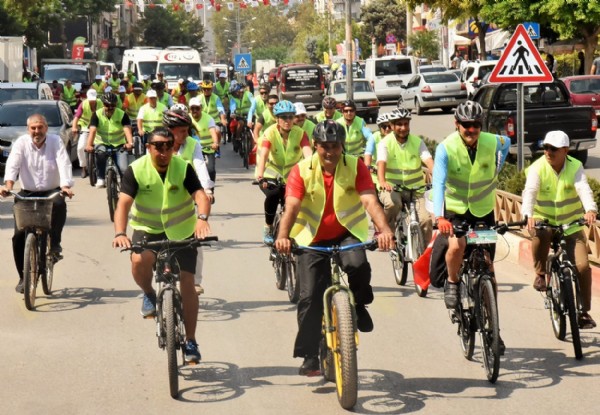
<point x="474" y="73"/>
<point x="10" y="91"/>
<point x="433" y="90"/>
<point x="367" y="104"/>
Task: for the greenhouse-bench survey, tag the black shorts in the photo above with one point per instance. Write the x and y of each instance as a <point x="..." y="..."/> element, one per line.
<point x="458" y="219"/>
<point x="186" y="258"/>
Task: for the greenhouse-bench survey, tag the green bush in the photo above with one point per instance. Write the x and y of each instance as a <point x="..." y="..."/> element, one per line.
<point x="431" y="144"/>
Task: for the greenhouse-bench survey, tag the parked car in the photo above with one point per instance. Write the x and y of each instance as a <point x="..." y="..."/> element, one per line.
<point x="474" y="73"/>
<point x="386" y="74"/>
<point x="432" y="68"/>
<point x="585" y="90"/>
<point x="10" y="91"/>
<point x="433" y="90"/>
<point x="13" y="123"/>
<point x="301" y="83"/>
<point x="367" y="104"/>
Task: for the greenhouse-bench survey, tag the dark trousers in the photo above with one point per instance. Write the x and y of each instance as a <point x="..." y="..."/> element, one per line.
<point x="59" y="217"/>
<point x="210" y="165"/>
<point x="314" y="276"/>
<point x="272" y="198"/>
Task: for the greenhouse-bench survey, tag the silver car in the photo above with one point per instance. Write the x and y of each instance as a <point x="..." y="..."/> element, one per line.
<point x="433" y="90"/>
<point x="367" y="104"/>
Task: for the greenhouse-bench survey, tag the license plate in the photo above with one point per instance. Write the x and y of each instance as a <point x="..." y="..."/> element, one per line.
<point x="481" y="237"/>
<point x="302" y="96"/>
<point x="394" y="83"/>
<point x="446" y="99"/>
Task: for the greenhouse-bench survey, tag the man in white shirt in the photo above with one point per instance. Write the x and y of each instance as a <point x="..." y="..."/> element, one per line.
<point x="42" y="165"/>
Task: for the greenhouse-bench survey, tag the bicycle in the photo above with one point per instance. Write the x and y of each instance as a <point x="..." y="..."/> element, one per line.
<point x="337" y="351"/>
<point x="112" y="176"/>
<point x="170" y="329"/>
<point x="34" y="215"/>
<point x="245" y="142"/>
<point x="410" y="242"/>
<point x="477" y="312"/>
<point x="563" y="296"/>
<point x="284" y="265"/>
<point x="139" y="142"/>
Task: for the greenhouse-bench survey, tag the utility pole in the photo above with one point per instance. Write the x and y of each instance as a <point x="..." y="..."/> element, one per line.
<point x="349" y="89"/>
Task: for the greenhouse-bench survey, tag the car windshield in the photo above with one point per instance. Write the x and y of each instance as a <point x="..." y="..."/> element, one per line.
<point x="61" y="74"/>
<point x="148" y="68"/>
<point x="440" y="78"/>
<point x="393" y="67"/>
<point x="340" y="87"/>
<point x="16" y="115"/>
<point x="12" y="94"/>
<point x="585" y="86"/>
<point x="424" y="69"/>
<point x="180" y="70"/>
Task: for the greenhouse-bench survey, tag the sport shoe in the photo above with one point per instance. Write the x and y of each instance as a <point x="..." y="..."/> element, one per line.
<point x="149" y="305"/>
<point x="540" y="283"/>
<point x="192" y="354"/>
<point x="586" y="321"/>
<point x="451" y="295"/>
<point x="199" y="289"/>
<point x="84" y="172"/>
<point x="502" y="346"/>
<point x="217" y="154"/>
<point x="19" y="288"/>
<point x="310" y="367"/>
<point x="364" y="322"/>
<point x="267" y="235"/>
<point x="100" y="183"/>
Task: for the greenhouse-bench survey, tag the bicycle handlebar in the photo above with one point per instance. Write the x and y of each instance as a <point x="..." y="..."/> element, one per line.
<point x="401" y="188"/>
<point x="34" y="198"/>
<point x="165" y="243"/>
<point x="271" y="182"/>
<point x="501" y="228"/>
<point x="545" y="224"/>
<point x="369" y="245"/>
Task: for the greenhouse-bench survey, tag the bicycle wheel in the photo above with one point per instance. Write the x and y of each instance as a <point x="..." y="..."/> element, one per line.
<point x="48" y="276"/>
<point x="398" y="257"/>
<point x="344" y="350"/>
<point x="245" y="149"/>
<point x="138" y="147"/>
<point x="280" y="271"/>
<point x="30" y="270"/>
<point x="91" y="166"/>
<point x="559" y="321"/>
<point x="291" y="280"/>
<point x="569" y="298"/>
<point x="489" y="329"/>
<point x="467" y="336"/>
<point x="169" y="318"/>
<point x="326" y="358"/>
<point x="112" y="192"/>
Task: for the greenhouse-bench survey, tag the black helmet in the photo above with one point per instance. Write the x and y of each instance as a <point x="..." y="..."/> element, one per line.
<point x="349" y="103"/>
<point x="109" y="99"/>
<point x="329" y="131"/>
<point x="469" y="111"/>
<point x="176" y="118"/>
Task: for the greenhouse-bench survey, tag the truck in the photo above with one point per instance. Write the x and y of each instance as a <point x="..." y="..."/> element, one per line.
<point x="11" y="59"/>
<point x="180" y="62"/>
<point x="78" y="71"/>
<point x="141" y="60"/>
<point x="547" y="107"/>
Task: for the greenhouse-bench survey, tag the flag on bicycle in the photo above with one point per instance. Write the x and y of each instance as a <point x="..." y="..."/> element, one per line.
<point x="421" y="265"/>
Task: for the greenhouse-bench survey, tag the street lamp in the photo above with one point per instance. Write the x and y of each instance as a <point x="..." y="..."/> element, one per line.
<point x="238" y="26"/>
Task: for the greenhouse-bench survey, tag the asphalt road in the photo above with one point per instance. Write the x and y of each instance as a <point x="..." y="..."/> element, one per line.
<point x="86" y="350"/>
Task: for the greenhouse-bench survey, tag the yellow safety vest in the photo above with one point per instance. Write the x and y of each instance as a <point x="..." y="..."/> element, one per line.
<point x="355" y="141"/>
<point x="210" y="107"/>
<point x="69" y="95"/>
<point x="242" y="106"/>
<point x="164" y="100"/>
<point x="110" y="130"/>
<point x="134" y="105"/>
<point x="114" y="84"/>
<point x="188" y="150"/>
<point x="403" y="164"/>
<point x="201" y="127"/>
<point x="308" y="128"/>
<point x="99" y="88"/>
<point x="320" y="117"/>
<point x="260" y="107"/>
<point x="377" y="137"/>
<point x="346" y="200"/>
<point x="86" y="113"/>
<point x="153" y="116"/>
<point x="162" y="206"/>
<point x="222" y="90"/>
<point x="282" y="157"/>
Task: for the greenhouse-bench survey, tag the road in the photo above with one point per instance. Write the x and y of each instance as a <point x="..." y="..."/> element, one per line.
<point x="86" y="350"/>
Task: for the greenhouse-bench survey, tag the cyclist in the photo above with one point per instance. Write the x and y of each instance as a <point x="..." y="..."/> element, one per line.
<point x="557" y="190"/>
<point x="465" y="173"/>
<point x="114" y="81"/>
<point x="212" y="106"/>
<point x="69" y="95"/>
<point x="326" y="199"/>
<point x="154" y="216"/>
<point x="242" y="104"/>
<point x="222" y="89"/>
<point x="266" y="119"/>
<point x="81" y="122"/>
<point x="41" y="163"/>
<point x="134" y="101"/>
<point x="98" y="85"/>
<point x="178" y="91"/>
<point x="121" y="96"/>
<point x="192" y="91"/>
<point x="150" y="115"/>
<point x="109" y="127"/>
<point x="371" y="154"/>
<point x="162" y="97"/>
<point x="300" y="120"/>
<point x="330" y="111"/>
<point x="207" y="132"/>
<point x="283" y="145"/>
<point x="261" y="102"/>
<point x="357" y="133"/>
<point x="400" y="156"/>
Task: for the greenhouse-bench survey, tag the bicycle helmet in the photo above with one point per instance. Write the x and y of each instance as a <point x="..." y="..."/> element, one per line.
<point x="180" y="107"/>
<point x="233" y="87"/>
<point x="284" y="107"/>
<point x="382" y="118"/>
<point x="329" y="103"/>
<point x="176" y="118"/>
<point x="399" y="114"/>
<point x="192" y="86"/>
<point x="265" y="85"/>
<point x="206" y="84"/>
<point x="109" y="99"/>
<point x="469" y="111"/>
<point x="349" y="103"/>
<point x="329" y="131"/>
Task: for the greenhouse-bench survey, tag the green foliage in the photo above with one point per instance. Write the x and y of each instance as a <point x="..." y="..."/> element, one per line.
<point x="165" y="27"/>
<point x="511" y="180"/>
<point x="425" y="44"/>
<point x="567" y="64"/>
<point x="595" y="186"/>
<point x="431" y="144"/>
<point x="383" y="17"/>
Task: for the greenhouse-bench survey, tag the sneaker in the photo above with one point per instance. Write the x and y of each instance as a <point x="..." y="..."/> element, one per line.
<point x="267" y="235"/>
<point x="192" y="354"/>
<point x="84" y="172"/>
<point x="56" y="252"/>
<point x="451" y="295"/>
<point x="364" y="322"/>
<point x="310" y="366"/>
<point x="19" y="288"/>
<point x="217" y="154"/>
<point x="149" y="305"/>
<point x="199" y="289"/>
<point x="100" y="183"/>
<point x="586" y="321"/>
<point x="540" y="283"/>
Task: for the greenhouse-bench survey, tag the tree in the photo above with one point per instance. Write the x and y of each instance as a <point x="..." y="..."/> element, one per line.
<point x="425" y="44"/>
<point x="165" y="27"/>
<point x="383" y="17"/>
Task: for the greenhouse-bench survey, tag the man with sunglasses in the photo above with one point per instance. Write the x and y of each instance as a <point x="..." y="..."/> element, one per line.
<point x="557" y="190"/>
<point x="329" y="112"/>
<point x="357" y="133"/>
<point x="212" y="106"/>
<point x="261" y="102"/>
<point x="266" y="119"/>
<point x="465" y="175"/>
<point x="154" y="216"/>
<point x="206" y="132"/>
<point x="301" y="121"/>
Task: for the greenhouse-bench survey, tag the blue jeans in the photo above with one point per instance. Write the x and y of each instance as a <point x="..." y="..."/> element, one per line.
<point x="120" y="160"/>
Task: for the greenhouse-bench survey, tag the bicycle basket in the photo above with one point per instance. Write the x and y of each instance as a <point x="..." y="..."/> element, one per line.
<point x="33" y="214"/>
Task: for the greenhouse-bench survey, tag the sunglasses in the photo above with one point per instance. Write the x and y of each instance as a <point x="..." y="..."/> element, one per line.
<point x="264" y="93"/>
<point x="385" y="126"/>
<point x="161" y="145"/>
<point x="272" y="103"/>
<point x="286" y="117"/>
<point x="194" y="108"/>
<point x="348" y="110"/>
<point x="471" y="124"/>
<point x="550" y="148"/>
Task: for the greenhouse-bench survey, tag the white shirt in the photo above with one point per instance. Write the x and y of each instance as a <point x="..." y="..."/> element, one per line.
<point x="143" y="110"/>
<point x="39" y="169"/>
<point x="199" y="166"/>
<point x="532" y="186"/>
<point x="382" y="152"/>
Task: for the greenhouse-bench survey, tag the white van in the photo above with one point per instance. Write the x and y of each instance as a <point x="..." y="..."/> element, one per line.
<point x="386" y="74"/>
<point x="221" y="67"/>
<point x="141" y="60"/>
<point x="180" y="62"/>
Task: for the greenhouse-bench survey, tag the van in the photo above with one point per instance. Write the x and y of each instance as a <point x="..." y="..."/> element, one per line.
<point x="301" y="83"/>
<point x="180" y="62"/>
<point x="221" y="67"/>
<point x="10" y="91"/>
<point x="386" y="74"/>
<point x="474" y="73"/>
<point x="141" y="60"/>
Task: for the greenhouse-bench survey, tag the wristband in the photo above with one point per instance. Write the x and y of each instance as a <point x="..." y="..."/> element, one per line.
<point x="120" y="234"/>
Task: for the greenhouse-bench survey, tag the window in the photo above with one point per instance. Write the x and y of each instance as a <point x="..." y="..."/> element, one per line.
<point x="393" y="67"/>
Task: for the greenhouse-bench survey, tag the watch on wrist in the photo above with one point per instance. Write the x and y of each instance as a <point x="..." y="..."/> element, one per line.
<point x="203" y="217"/>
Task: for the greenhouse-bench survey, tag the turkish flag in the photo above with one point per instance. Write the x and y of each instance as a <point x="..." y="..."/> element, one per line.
<point x="266" y="2"/>
<point x="218" y="7"/>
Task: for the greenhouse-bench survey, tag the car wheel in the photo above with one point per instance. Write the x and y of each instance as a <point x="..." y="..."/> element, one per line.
<point x="418" y="108"/>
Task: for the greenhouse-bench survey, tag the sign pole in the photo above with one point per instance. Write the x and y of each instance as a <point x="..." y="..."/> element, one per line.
<point x="520" y="128"/>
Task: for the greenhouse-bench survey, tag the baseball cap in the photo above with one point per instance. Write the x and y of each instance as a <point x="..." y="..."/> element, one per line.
<point x="98" y="77"/>
<point x="557" y="139"/>
<point x="222" y="75"/>
<point x="108" y="89"/>
<point x="91" y="94"/>
<point x="137" y="86"/>
<point x="151" y="94"/>
<point x="122" y="88"/>
<point x="300" y="108"/>
<point x="195" y="102"/>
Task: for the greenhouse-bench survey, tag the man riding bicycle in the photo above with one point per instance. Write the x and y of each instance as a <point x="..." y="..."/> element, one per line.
<point x="242" y="104"/>
<point x="326" y="199"/>
<point x="301" y="121"/>
<point x="206" y="132"/>
<point x="212" y="106"/>
<point x="330" y="111"/>
<point x="160" y="191"/>
<point x="357" y="133"/>
<point x="81" y="122"/>
<point x="150" y="115"/>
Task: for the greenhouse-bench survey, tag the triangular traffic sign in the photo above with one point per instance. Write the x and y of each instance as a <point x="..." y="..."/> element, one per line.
<point x="521" y="61"/>
<point x="242" y="64"/>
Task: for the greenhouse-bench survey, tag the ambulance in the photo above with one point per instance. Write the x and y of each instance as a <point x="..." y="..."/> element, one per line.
<point x="180" y="62"/>
<point x="141" y="60"/>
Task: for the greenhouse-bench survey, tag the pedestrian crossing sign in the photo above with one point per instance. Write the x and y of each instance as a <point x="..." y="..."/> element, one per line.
<point x="243" y="62"/>
<point x="521" y="61"/>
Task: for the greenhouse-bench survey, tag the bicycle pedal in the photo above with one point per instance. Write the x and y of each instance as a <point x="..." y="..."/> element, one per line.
<point x="148" y="317"/>
<point x="191" y="363"/>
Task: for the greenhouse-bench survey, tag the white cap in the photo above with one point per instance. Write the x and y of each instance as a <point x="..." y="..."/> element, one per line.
<point x="300" y="108"/>
<point x="98" y="77"/>
<point x="91" y="94"/>
<point x="195" y="102"/>
<point x="222" y="75"/>
<point x="108" y="89"/>
<point x="122" y="88"/>
<point x="557" y="139"/>
<point x="146" y="77"/>
<point x="151" y="94"/>
<point x="180" y="81"/>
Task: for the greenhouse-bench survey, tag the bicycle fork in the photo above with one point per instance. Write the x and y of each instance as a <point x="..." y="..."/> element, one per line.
<point x="327" y="299"/>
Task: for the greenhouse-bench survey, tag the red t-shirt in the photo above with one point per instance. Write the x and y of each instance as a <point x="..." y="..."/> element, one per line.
<point x="330" y="227"/>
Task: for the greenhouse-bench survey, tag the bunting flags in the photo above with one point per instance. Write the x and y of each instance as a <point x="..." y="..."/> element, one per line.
<point x="190" y="5"/>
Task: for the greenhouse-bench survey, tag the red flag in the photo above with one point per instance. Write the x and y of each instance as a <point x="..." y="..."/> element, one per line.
<point x="212" y="2"/>
<point x="218" y="7"/>
<point x="266" y="2"/>
<point x="286" y="1"/>
<point x="421" y="265"/>
<point x="199" y="6"/>
<point x="243" y="5"/>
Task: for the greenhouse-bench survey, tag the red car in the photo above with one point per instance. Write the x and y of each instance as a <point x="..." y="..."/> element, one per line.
<point x="585" y="90"/>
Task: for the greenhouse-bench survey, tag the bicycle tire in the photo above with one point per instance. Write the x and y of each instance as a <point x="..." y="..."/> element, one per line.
<point x="138" y="147"/>
<point x="170" y="327"/>
<point x="48" y="276"/>
<point x="417" y="247"/>
<point x="344" y="349"/>
<point x="293" y="289"/>
<point x="30" y="270"/>
<point x="112" y="192"/>
<point x="326" y="359"/>
<point x="91" y="166"/>
<point x="399" y="263"/>
<point x="246" y="149"/>
<point x="557" y="317"/>
<point x="570" y="305"/>
<point x="467" y="336"/>
<point x="489" y="329"/>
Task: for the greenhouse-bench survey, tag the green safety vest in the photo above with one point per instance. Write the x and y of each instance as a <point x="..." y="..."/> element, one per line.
<point x="69" y="95"/>
<point x="260" y="107"/>
<point x="283" y="158"/>
<point x="403" y="164"/>
<point x="243" y="107"/>
<point x="86" y="113"/>
<point x="162" y="206"/>
<point x="134" y="105"/>
<point x="114" y="84"/>
<point x="110" y="130"/>
<point x="355" y="141"/>
<point x="320" y="117"/>
<point x="222" y="90"/>
<point x="164" y="100"/>
<point x="308" y="128"/>
<point x="346" y="200"/>
<point x="201" y="127"/>
<point x="153" y="116"/>
<point x="99" y="88"/>
<point x="188" y="150"/>
<point x="210" y="107"/>
<point x="557" y="198"/>
<point x="377" y="137"/>
<point x="471" y="185"/>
